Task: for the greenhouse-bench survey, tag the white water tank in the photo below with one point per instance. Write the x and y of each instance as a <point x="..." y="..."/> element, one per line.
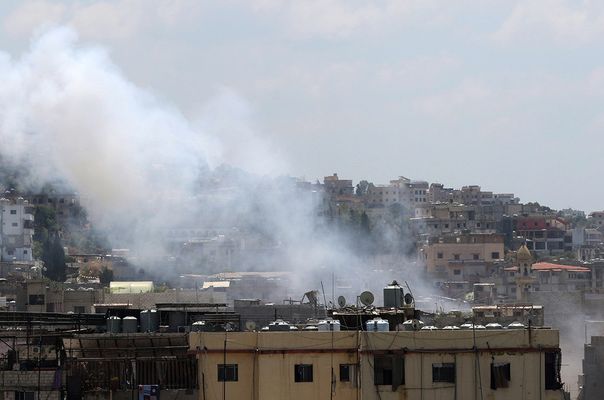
<point x="412" y="325"/>
<point x="377" y="325"/>
<point x="114" y="324"/>
<point x="328" y="325"/>
<point x="149" y="321"/>
<point x="129" y="325"/>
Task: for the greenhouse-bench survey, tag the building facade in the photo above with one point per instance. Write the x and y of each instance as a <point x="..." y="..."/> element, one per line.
<point x="443" y="364"/>
<point x="458" y="255"/>
<point x="17" y="229"/>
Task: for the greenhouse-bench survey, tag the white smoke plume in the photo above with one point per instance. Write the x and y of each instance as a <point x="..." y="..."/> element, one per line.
<point x="67" y="113"/>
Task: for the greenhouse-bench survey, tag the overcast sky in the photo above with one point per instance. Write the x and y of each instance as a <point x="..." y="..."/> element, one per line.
<point x="505" y="94"/>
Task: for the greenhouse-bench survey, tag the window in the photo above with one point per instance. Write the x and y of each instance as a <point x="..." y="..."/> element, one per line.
<point x="15" y="224"/>
<point x="456" y="256"/>
<point x="347" y="373"/>
<point x="24" y="251"/>
<point x="10" y="252"/>
<point x="79" y="309"/>
<point x="24" y="395"/>
<point x="552" y="370"/>
<point x="446" y="225"/>
<point x="475" y="256"/>
<point x="495" y="255"/>
<point x="439" y="255"/>
<point x="303" y="372"/>
<point x="227" y="372"/>
<point x="500" y="375"/>
<point x="444" y="372"/>
<point x="13" y="212"/>
<point x="389" y="370"/>
<point x="456" y="272"/>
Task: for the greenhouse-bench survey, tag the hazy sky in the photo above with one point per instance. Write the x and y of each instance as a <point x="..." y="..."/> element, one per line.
<point x="508" y="95"/>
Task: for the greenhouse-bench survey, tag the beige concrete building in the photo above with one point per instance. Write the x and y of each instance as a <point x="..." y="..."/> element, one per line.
<point x="457" y="255"/>
<point x="437" y="364"/>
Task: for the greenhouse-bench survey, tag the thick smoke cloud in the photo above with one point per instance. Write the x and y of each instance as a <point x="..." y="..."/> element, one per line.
<point x="67" y="113"/>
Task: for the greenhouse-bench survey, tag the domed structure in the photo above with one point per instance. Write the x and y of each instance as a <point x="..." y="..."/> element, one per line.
<point x="525" y="278"/>
<point x="524" y="258"/>
<point x="524" y="254"/>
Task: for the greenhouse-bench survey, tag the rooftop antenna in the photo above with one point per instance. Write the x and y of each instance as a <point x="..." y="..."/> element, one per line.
<point x="324" y="299"/>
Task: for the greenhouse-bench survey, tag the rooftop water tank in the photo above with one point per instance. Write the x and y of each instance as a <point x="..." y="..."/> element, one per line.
<point x="149" y="321"/>
<point x="114" y="324"/>
<point x="470" y="326"/>
<point x="394" y="295"/>
<point x="328" y="325"/>
<point x="377" y="325"/>
<point x="129" y="325"/>
<point x="199" y="326"/>
<point x="429" y="328"/>
<point x="412" y="325"/>
<point x="279" y="326"/>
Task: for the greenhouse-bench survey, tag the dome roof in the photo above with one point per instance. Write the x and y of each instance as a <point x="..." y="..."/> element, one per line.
<point x="524" y="254"/>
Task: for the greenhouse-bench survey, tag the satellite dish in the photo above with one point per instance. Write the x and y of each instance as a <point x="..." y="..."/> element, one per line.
<point x="408" y="298"/>
<point x="366" y="298"/>
<point x="342" y="301"/>
<point x="250" y="325"/>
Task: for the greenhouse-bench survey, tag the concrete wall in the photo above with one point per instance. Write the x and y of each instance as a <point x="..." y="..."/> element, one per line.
<point x="27" y="381"/>
<point x="266" y="363"/>
<point x="133" y="395"/>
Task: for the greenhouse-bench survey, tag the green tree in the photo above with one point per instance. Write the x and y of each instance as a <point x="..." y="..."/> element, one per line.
<point x="362" y="188"/>
<point x="45" y="223"/>
<point x="53" y="257"/>
<point x="106" y="276"/>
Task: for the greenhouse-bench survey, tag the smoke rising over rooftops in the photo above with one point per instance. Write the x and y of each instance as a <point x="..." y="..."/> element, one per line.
<point x="67" y="113"/>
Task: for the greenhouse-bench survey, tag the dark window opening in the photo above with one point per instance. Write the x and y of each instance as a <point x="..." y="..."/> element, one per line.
<point x="500" y="375"/>
<point x="36" y="299"/>
<point x="389" y="370"/>
<point x="228" y="373"/>
<point x="444" y="372"/>
<point x="24" y="395"/>
<point x="553" y="361"/>
<point x="345" y="372"/>
<point x="303" y="372"/>
<point x="495" y="255"/>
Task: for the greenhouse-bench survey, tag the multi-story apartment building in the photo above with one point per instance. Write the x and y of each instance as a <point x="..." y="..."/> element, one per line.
<point x="334" y="186"/>
<point x="66" y="205"/>
<point x="596" y="218"/>
<point x="410" y="194"/>
<point x="443" y="364"/>
<point x="438" y="193"/>
<point x="545" y="235"/>
<point x="418" y="192"/>
<point x="17" y="229"/>
<point x="435" y="219"/>
<point x="461" y="256"/>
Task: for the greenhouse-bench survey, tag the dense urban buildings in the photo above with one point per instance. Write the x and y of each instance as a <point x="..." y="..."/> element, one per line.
<point x="480" y="264"/>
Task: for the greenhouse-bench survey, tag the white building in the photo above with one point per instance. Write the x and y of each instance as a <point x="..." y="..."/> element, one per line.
<point x="17" y="229"/>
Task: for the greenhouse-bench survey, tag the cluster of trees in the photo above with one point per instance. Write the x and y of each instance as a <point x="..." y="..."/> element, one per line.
<point x="48" y="246"/>
<point x="388" y="235"/>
